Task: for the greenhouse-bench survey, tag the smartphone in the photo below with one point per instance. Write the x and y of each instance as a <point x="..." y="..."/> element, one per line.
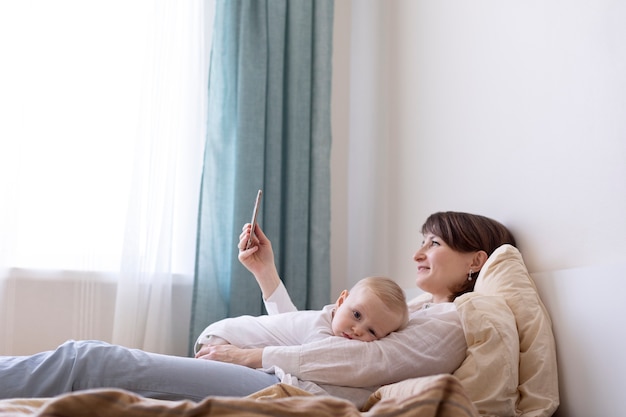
<point x="257" y="204"/>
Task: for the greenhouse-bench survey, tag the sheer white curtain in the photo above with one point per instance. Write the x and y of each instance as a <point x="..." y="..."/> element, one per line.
<point x="102" y="111"/>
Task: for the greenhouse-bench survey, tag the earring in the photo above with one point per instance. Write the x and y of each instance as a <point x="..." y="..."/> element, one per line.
<point x="469" y="276"/>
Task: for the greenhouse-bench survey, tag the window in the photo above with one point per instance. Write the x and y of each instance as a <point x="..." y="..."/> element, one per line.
<point x="97" y="99"/>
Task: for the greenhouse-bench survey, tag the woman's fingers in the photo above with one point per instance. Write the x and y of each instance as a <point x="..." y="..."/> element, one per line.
<point x="245" y="236"/>
<point x="258" y="232"/>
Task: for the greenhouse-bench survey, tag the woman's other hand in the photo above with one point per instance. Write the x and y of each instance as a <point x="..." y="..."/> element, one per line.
<point x="252" y="358"/>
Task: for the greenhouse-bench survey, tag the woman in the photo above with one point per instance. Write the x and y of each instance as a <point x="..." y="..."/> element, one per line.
<point x="454" y="249"/>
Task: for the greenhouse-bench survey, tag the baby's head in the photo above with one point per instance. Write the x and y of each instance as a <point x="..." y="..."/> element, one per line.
<point x="373" y="308"/>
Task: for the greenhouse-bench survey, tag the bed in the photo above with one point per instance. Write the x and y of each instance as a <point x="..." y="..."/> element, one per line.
<point x="510" y="370"/>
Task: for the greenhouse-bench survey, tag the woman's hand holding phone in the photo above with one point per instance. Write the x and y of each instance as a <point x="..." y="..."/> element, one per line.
<point x="256" y="253"/>
<point x="255" y="213"/>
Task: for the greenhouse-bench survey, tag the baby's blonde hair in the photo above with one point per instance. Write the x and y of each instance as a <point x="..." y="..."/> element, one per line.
<point x="389" y="292"/>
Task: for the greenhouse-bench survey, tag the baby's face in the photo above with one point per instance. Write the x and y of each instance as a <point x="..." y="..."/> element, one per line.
<point x="363" y="316"/>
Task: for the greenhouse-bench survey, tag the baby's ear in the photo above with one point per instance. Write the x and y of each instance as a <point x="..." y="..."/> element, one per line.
<point x="342" y="297"/>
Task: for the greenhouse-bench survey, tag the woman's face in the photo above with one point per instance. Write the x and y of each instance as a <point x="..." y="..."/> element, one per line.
<point x="441" y="269"/>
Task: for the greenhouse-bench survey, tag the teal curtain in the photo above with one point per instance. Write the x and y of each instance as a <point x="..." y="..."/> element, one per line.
<point x="268" y="128"/>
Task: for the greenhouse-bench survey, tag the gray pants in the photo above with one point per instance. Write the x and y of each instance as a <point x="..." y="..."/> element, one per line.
<point x="83" y="365"/>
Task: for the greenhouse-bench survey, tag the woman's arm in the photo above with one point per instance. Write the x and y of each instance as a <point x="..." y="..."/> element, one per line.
<point x="259" y="260"/>
<point x="432" y="343"/>
<point x="279" y="301"/>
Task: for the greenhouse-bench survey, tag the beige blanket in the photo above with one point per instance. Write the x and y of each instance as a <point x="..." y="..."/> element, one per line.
<point x="436" y="396"/>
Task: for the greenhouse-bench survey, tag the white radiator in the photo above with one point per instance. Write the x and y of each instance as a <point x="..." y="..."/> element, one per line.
<point x="41" y="309"/>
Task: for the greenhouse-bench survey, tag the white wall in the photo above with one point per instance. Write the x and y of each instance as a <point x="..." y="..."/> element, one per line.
<point x="341" y="131"/>
<point x="514" y="110"/>
<point x="589" y="339"/>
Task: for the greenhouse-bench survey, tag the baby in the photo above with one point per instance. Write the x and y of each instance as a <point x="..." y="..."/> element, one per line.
<point x="372" y="309"/>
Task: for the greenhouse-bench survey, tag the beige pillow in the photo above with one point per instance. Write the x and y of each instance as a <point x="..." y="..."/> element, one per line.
<point x="435" y="395"/>
<point x="504" y="274"/>
<point x="489" y="372"/>
<point x="505" y="323"/>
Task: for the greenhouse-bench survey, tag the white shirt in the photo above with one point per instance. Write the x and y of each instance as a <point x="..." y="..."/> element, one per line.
<point x="293" y="328"/>
<point x="433" y="342"/>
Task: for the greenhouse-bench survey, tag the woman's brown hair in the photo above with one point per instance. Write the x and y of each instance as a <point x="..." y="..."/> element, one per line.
<point x="465" y="232"/>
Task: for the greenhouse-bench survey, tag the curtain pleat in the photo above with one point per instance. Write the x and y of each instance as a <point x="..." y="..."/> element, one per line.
<point x="268" y="128"/>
